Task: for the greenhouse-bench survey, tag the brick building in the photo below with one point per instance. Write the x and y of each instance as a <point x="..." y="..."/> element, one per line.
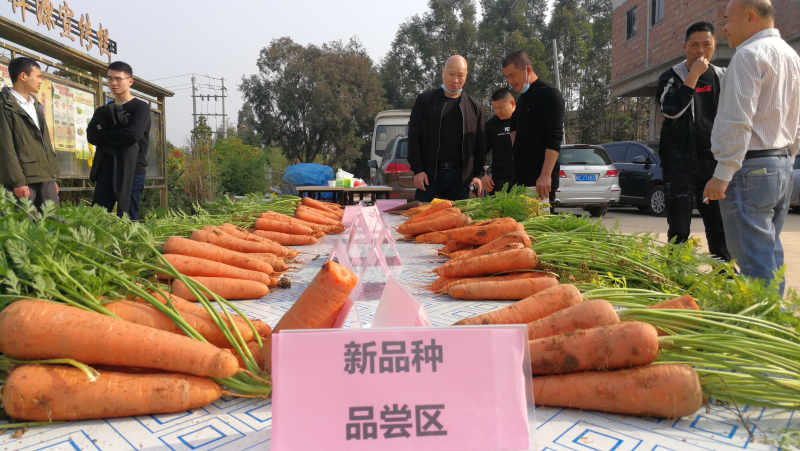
<point x="647" y="38"/>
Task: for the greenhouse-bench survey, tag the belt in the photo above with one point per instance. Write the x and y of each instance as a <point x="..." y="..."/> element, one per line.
<point x="449" y="165"/>
<point x="782" y="152"/>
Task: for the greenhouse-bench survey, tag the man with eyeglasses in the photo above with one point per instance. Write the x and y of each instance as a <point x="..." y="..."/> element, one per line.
<point x="121" y="133"/>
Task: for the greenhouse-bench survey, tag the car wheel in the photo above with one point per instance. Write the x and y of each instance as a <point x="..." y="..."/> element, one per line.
<point x="596" y="212"/>
<point x="658" y="201"/>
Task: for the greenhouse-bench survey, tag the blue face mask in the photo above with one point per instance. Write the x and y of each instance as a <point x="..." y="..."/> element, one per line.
<point x="525" y="87"/>
<point x="452" y="93"/>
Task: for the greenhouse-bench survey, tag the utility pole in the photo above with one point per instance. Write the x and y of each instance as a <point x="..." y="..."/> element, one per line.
<point x="558" y="82"/>
<point x="224" y="116"/>
<point x="194" y="104"/>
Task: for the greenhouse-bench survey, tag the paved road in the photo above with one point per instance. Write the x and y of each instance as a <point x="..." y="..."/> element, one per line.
<point x="632" y="220"/>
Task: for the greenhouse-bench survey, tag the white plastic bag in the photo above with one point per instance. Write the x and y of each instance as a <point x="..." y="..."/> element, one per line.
<point x="344" y="175"/>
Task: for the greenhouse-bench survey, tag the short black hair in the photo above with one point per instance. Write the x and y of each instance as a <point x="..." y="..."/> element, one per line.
<point x="20" y="65"/>
<point x="501" y="94"/>
<point x="699" y="27"/>
<point x="519" y="58"/>
<point x="122" y="67"/>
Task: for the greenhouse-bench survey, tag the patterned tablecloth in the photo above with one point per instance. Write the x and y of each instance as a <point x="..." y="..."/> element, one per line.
<point x="244" y="424"/>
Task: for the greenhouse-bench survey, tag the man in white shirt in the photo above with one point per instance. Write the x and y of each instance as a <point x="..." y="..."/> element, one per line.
<point x="755" y="138"/>
<point x="28" y="165"/>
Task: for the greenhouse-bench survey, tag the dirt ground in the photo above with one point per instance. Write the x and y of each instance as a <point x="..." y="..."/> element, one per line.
<point x="632" y="220"/>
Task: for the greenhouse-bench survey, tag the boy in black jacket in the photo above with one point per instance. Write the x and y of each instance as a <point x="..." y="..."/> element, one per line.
<point x="688" y="94"/>
<point x="498" y="141"/>
<point x="121" y="133"/>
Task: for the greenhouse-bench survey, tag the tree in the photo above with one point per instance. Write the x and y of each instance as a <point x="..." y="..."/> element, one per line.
<point x="201" y="176"/>
<point x="242" y="168"/>
<point x="314" y="101"/>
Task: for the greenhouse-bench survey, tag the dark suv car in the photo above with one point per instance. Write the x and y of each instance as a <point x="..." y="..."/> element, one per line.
<point x="394" y="170"/>
<point x="639" y="176"/>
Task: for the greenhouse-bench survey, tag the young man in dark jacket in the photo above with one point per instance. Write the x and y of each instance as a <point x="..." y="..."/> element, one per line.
<point x="28" y="165"/>
<point x="688" y="94"/>
<point x="121" y="132"/>
<point x="446" y="149"/>
<point x="498" y="141"/>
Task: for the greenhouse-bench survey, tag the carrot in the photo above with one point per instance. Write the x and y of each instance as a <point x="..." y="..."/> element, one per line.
<point x="658" y="391"/>
<point x="307" y="214"/>
<point x="226" y="288"/>
<point x="486" y="233"/>
<point x="454" y="246"/>
<point x="35" y="330"/>
<point x="529" y="309"/>
<point x="436" y="208"/>
<point x="459" y="253"/>
<point x="417" y="210"/>
<point x="63" y="393"/>
<point x="506" y="289"/>
<point x="322" y="212"/>
<point x="147" y="315"/>
<point x="278" y="263"/>
<point x="432" y="238"/>
<point x="280" y="251"/>
<point x="438" y="214"/>
<point x="182" y="305"/>
<point x="313" y="203"/>
<point x="230" y="242"/>
<point x="622" y="345"/>
<point x="318" y="306"/>
<point x="286" y="239"/>
<point x="183" y="246"/>
<point x="684" y="302"/>
<point x="282" y="227"/>
<point x="193" y="266"/>
<point x="331" y="230"/>
<point x="503" y="248"/>
<point x="513" y="237"/>
<point x="255" y="351"/>
<point x="586" y="315"/>
<point x="443" y="284"/>
<point x="486" y="265"/>
<point x="444" y="223"/>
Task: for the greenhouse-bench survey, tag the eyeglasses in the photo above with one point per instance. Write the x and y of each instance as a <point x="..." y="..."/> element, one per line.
<point x="117" y="79"/>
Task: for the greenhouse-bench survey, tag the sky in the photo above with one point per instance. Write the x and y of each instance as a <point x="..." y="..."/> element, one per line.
<point x="173" y="38"/>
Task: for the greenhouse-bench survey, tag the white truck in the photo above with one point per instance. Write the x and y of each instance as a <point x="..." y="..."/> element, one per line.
<point x="388" y="124"/>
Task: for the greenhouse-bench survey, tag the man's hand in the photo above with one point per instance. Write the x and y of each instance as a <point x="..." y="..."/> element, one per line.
<point x="420" y="180"/>
<point x="487" y="183"/>
<point x="476" y="182"/>
<point x="56" y="188"/>
<point x="22" y="191"/>
<point x="715" y="189"/>
<point x="700" y="66"/>
<point x="543" y="186"/>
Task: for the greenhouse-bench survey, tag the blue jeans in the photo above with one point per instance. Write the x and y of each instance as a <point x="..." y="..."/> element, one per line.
<point x="104" y="193"/>
<point x="753" y="213"/>
<point x="448" y="185"/>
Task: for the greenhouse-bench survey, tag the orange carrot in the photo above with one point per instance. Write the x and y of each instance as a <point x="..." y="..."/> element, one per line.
<point x="684" y="302"/>
<point x="459" y="253"/>
<point x="318" y="306"/>
<point x="443" y="284"/>
<point x="322" y="206"/>
<point x="323" y="212"/>
<point x="183" y="246"/>
<point x="505" y="290"/>
<point x="586" y="315"/>
<point x="182" y="305"/>
<point x="436" y="208"/>
<point x="529" y="309"/>
<point x="280" y="251"/>
<point x="230" y="242"/>
<point x="286" y="239"/>
<point x="37" y="330"/>
<point x="417" y="210"/>
<point x="503" y="248"/>
<point x="486" y="265"/>
<point x="308" y="214"/>
<point x="437" y="214"/>
<point x="658" y="391"/>
<point x="622" y="345"/>
<point x="282" y="227"/>
<point x="147" y="315"/>
<point x="444" y="223"/>
<point x="432" y="238"/>
<point x="64" y="393"/>
<point x="486" y="233"/>
<point x="193" y="266"/>
<point x="454" y="246"/>
<point x="230" y="289"/>
<point x="331" y="230"/>
<point x="513" y="237"/>
<point x="278" y="263"/>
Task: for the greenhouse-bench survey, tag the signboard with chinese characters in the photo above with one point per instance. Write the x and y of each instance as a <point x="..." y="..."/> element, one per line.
<point x="83" y="101"/>
<point x="64" y="18"/>
<point x="45" y="97"/>
<point x="63" y="118"/>
<point x="443" y="388"/>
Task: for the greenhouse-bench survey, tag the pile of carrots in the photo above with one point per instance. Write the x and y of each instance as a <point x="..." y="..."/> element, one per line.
<point x="312" y="220"/>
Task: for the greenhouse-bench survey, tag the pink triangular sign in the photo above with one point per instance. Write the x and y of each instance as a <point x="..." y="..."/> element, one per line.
<point x="348" y="316"/>
<point x="399" y="308"/>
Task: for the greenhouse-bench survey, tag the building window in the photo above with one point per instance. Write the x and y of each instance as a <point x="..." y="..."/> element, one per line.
<point x="631" y="21"/>
<point x="658" y="11"/>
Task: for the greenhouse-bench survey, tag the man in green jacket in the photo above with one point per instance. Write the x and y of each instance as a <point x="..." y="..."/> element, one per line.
<point x="28" y="165"/>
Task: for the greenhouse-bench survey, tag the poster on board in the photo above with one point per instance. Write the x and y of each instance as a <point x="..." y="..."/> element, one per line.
<point x="45" y="97"/>
<point x="83" y="102"/>
<point x="63" y="116"/>
<point x="5" y="77"/>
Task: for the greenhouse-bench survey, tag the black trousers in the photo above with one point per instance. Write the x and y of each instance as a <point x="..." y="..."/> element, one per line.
<point x="684" y="192"/>
<point x="41" y="192"/>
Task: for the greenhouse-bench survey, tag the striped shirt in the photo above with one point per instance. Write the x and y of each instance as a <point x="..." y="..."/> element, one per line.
<point x="759" y="107"/>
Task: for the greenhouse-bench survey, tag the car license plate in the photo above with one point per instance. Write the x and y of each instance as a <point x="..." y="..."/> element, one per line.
<point x="585" y="177"/>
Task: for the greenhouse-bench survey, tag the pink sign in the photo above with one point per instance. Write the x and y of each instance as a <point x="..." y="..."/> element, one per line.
<point x="446" y="388"/>
<point x="399" y="308"/>
<point x="350" y="213"/>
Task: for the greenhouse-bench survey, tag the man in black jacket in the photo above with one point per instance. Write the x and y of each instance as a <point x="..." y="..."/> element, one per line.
<point x="689" y="94"/>
<point x="446" y="149"/>
<point x="121" y="132"/>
